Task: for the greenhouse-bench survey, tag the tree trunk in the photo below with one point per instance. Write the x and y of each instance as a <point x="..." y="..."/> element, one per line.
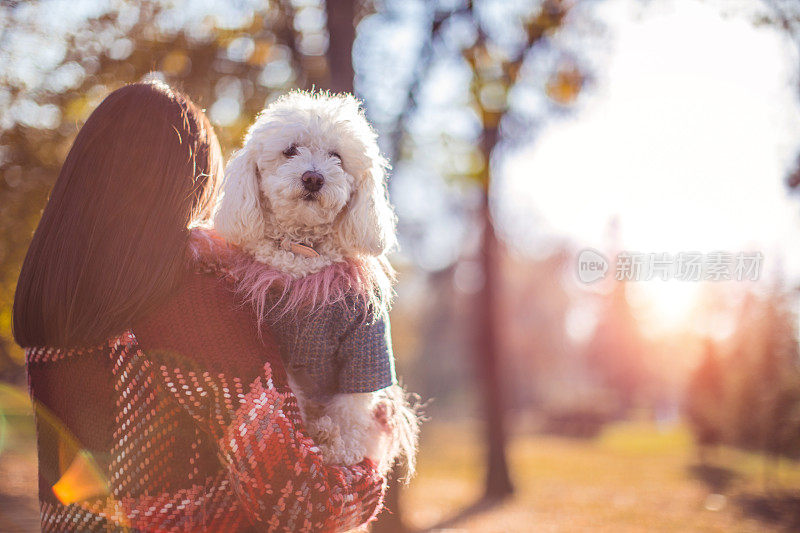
<point x="342" y="34"/>
<point x="498" y="481"/>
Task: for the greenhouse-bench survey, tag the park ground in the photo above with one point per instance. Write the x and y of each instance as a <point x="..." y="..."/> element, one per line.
<point x="633" y="477"/>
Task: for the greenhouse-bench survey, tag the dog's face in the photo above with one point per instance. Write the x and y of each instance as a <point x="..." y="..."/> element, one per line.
<point x="306" y="169"/>
<point x="310" y="166"/>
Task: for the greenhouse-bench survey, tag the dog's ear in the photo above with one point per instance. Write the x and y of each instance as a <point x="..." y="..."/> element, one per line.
<point x="368" y="225"/>
<point x="239" y="217"/>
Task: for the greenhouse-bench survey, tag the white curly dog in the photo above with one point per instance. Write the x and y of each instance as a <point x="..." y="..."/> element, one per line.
<point x="305" y="194"/>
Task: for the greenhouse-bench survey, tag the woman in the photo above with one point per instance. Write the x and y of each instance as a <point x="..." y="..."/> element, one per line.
<point x="158" y="404"/>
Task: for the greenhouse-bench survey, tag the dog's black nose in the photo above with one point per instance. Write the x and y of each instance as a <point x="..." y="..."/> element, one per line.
<point x="312" y="180"/>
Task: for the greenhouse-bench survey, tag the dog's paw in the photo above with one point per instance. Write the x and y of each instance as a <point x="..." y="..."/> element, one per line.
<point x="383" y="411"/>
<point x="335" y="447"/>
<point x="336" y="453"/>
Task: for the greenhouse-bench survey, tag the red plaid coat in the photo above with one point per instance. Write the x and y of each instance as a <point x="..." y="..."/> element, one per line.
<point x="185" y="423"/>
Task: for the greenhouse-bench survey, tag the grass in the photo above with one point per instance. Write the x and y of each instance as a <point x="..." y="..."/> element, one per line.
<point x="634" y="477"/>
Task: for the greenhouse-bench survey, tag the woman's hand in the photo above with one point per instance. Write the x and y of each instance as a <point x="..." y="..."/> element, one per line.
<point x="379" y="446"/>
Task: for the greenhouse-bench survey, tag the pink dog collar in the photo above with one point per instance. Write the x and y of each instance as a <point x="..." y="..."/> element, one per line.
<point x="300" y="249"/>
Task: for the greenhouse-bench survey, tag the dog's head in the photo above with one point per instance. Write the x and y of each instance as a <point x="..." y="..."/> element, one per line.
<point x="310" y="166"/>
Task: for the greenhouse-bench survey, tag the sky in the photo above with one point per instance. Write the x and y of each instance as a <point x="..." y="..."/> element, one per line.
<point x="685" y="139"/>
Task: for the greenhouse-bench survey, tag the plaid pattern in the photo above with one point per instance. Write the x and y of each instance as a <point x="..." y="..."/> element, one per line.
<point x="250" y="464"/>
<point x="341" y="348"/>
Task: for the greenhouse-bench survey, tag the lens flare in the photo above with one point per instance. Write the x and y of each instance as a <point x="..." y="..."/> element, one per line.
<point x="81" y="481"/>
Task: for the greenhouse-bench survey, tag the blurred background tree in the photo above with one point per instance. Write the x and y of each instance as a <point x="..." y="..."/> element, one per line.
<point x="746" y="391"/>
<point x="705" y="396"/>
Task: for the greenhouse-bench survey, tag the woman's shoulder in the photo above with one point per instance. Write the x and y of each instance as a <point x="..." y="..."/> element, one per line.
<point x="203" y="319"/>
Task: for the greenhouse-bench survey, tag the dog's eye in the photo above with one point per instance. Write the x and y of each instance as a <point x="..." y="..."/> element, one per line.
<point x="336" y="155"/>
<point x="291" y="151"/>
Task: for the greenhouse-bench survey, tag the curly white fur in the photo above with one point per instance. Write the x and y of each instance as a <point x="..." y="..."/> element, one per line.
<point x="264" y="202"/>
<point x="342" y="425"/>
<point x="265" y="206"/>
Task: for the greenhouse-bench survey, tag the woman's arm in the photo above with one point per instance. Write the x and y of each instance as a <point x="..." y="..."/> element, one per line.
<point x="279" y="474"/>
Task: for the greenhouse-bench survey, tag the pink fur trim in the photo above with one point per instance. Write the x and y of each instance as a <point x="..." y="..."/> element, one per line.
<point x="368" y="280"/>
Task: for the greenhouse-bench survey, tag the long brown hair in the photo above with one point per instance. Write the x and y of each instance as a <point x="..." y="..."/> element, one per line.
<point x="111" y="241"/>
